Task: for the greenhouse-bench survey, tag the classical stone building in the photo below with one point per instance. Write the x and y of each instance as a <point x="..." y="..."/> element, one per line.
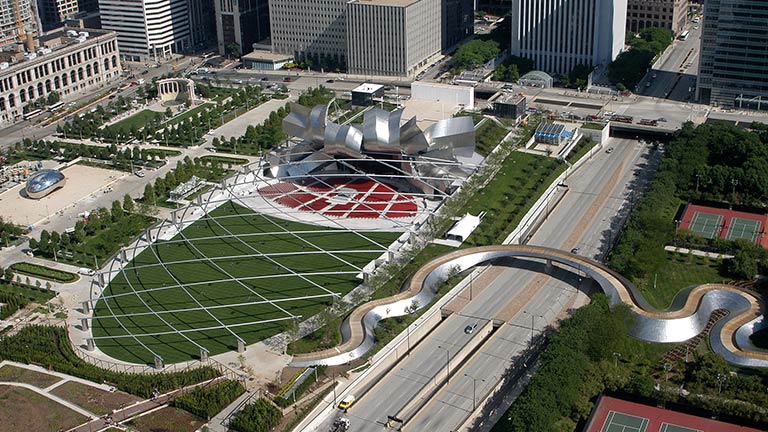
<point x="68" y="63"/>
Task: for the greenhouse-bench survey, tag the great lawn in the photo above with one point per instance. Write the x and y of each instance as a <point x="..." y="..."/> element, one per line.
<point x="218" y="262"/>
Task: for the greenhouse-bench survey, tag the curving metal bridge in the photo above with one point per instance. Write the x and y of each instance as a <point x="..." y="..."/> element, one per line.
<point x="729" y="337"/>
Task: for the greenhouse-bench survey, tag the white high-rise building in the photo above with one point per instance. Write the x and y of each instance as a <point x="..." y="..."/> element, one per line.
<point x="147" y="29"/>
<point x="309" y="29"/>
<point x="561" y="34"/>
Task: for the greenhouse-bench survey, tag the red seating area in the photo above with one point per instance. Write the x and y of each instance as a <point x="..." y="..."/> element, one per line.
<point x="372" y="200"/>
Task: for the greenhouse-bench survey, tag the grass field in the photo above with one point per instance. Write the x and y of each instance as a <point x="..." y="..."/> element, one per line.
<point x="677" y="272"/>
<point x="14" y="374"/>
<point x="230" y="284"/>
<point x="187" y="114"/>
<point x="137" y="120"/>
<point x="25" y="410"/>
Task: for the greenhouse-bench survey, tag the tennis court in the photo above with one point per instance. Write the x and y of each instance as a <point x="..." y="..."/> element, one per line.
<point x="666" y="427"/>
<point x="743" y="229"/>
<point x="706" y="224"/>
<point x="618" y="422"/>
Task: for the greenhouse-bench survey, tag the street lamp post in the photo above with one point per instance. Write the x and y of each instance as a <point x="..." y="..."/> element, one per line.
<point x="474" y="388"/>
<point x="616" y="356"/>
<point x="447" y="363"/>
<point x="720" y="380"/>
<point x="533" y="317"/>
<point x="667" y="368"/>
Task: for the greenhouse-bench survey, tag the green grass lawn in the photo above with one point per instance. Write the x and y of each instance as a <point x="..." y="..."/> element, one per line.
<point x="187" y="114"/>
<point x="137" y="120"/>
<point x="47" y="273"/>
<point x="203" y="284"/>
<point x="506" y="199"/>
<point x="678" y="272"/>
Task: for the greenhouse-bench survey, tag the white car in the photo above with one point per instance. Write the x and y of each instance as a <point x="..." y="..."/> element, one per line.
<point x="139" y="174"/>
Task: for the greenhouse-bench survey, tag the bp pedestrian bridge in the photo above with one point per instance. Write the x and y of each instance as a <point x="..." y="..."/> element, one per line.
<point x="729" y="337"/>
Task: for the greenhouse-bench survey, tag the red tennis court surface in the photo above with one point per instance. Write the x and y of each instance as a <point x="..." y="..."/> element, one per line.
<point x="613" y="414"/>
<point x="343" y="198"/>
<point x="725" y="224"/>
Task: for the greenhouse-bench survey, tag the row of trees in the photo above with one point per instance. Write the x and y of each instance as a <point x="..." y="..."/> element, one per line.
<point x="186" y="132"/>
<point x="42" y="102"/>
<point x="592" y="353"/>
<point x="259" y="416"/>
<point x="98" y="236"/>
<point x="269" y="134"/>
<point x="631" y="65"/>
<point x="577" y="365"/>
<point x="512" y="69"/>
<point x="205" y="402"/>
<point x="160" y="190"/>
<point x="41" y="149"/>
<point x="50" y="347"/>
<point x="712" y="161"/>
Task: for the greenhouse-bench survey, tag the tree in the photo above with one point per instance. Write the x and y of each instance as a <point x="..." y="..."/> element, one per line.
<point x="128" y="204"/>
<point x="476" y="53"/>
<point x="149" y="193"/>
<point x="117" y="211"/>
<point x="233" y="49"/>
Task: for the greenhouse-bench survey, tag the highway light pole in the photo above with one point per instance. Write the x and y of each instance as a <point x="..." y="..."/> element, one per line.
<point x="474" y="387"/>
<point x="447" y="363"/>
<point x="533" y="317"/>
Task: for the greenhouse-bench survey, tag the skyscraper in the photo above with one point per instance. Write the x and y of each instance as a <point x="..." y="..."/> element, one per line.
<point x="392" y="37"/>
<point x="669" y="14"/>
<point x="17" y="20"/>
<point x="147" y="29"/>
<point x="310" y="29"/>
<point x="561" y="34"/>
<point x="54" y="12"/>
<point x="241" y="23"/>
<point x="733" y="66"/>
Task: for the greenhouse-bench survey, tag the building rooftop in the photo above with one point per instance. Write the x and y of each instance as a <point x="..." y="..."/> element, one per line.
<point x="267" y="56"/>
<point x="368" y="88"/>
<point x="395" y="3"/>
<point x="509" y="98"/>
<point x="50" y="43"/>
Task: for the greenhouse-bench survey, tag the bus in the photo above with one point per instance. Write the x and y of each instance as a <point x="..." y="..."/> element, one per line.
<point x="32" y="114"/>
<point x="684" y="35"/>
<point x="55" y="107"/>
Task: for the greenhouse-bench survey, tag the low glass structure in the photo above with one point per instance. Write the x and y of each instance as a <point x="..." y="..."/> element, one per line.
<point x="44" y="182"/>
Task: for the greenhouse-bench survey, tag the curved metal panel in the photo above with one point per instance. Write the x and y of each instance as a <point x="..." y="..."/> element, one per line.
<point x="381" y="130"/>
<point x="457" y="134"/>
<point x="296" y="123"/>
<point x="317" y="122"/>
<point x="343" y="140"/>
<point x="412" y="139"/>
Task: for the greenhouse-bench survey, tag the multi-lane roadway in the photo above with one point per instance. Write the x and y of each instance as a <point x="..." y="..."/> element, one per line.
<point x="517" y="295"/>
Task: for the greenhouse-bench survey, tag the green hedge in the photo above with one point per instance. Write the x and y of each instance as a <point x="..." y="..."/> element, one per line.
<point x="49" y="346"/>
<point x="259" y="416"/>
<point x="206" y="402"/>
<point x="43" y="272"/>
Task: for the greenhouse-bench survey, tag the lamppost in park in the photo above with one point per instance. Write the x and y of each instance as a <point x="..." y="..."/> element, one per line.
<point x="474" y="389"/>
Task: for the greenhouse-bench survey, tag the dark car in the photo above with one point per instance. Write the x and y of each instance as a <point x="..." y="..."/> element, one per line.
<point x="470" y="328"/>
<point x="575" y="251"/>
<point x="145" y="72"/>
<point x="329" y="81"/>
<point x="287" y="79"/>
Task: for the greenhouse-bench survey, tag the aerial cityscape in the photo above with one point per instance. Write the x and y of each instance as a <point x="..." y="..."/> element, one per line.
<point x="374" y="215"/>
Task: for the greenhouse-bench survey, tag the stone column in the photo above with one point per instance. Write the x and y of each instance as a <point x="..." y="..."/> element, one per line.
<point x="89" y="344"/>
<point x="203" y="355"/>
<point x="240" y="346"/>
<point x="158" y="362"/>
<point x="84" y="323"/>
<point x="87" y="307"/>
